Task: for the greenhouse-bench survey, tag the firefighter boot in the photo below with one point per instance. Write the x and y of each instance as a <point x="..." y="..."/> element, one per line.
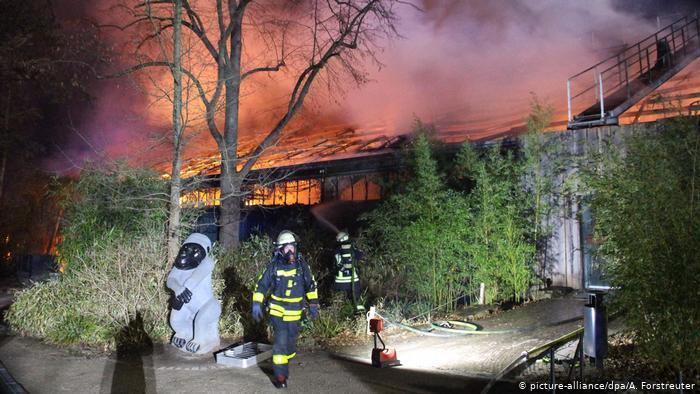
<point x="281" y="381"/>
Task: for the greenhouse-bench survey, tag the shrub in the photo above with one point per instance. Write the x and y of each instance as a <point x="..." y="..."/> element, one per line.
<point x="437" y="239"/>
<point x="114" y="251"/>
<point x="236" y="273"/>
<point x="646" y="205"/>
<point x="420" y="234"/>
<point x="337" y="319"/>
<point x="117" y="201"/>
<point x="501" y="255"/>
<point x="104" y="289"/>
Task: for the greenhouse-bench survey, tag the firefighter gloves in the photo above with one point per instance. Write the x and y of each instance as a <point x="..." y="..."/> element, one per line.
<point x="257" y="312"/>
<point x="313" y="311"/>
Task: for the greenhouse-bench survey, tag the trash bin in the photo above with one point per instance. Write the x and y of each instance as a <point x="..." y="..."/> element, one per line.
<point x="595" y="328"/>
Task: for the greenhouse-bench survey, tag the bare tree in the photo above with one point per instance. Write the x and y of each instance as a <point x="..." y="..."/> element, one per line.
<point x="175" y="181"/>
<point x="306" y="40"/>
<point x="169" y="50"/>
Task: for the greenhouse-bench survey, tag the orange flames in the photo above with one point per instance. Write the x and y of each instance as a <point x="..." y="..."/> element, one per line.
<point x="291" y="192"/>
<point x="467" y="69"/>
<point x="678" y="96"/>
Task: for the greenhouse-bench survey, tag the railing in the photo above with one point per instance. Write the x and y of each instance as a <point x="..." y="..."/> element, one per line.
<point x="532" y="355"/>
<point x="595" y="92"/>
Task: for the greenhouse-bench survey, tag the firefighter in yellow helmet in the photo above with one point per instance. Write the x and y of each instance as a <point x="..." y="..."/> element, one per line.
<point x="346" y="277"/>
<point x="288" y="280"/>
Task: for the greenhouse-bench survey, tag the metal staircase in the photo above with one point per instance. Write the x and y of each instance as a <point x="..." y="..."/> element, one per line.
<point x="601" y="93"/>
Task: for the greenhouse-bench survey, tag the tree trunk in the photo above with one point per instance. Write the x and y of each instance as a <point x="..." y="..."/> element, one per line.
<point x="230" y="218"/>
<point x="229" y="230"/>
<point x="3" y="167"/>
<point x="175" y="181"/>
<point x="174" y="210"/>
<point x="4" y="142"/>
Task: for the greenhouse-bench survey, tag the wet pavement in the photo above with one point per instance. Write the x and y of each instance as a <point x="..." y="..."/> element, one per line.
<point x="485" y="355"/>
<point x="41" y="368"/>
<point x="429" y="365"/>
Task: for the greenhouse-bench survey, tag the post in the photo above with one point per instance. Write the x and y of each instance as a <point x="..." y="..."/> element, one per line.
<point x="602" y="100"/>
<point x="580" y="359"/>
<point x="648" y="62"/>
<point x="685" y="47"/>
<point x="639" y="55"/>
<point x="619" y="72"/>
<point x="595" y="82"/>
<point x="482" y="288"/>
<point x="627" y="80"/>
<point x="673" y="43"/>
<point x="552" y="380"/>
<point x="568" y="96"/>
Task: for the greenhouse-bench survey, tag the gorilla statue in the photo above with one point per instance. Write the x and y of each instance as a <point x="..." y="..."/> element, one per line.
<point x="195" y="312"/>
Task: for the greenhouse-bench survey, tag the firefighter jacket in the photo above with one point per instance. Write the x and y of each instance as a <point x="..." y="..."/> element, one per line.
<point x="287" y="284"/>
<point x="346" y="257"/>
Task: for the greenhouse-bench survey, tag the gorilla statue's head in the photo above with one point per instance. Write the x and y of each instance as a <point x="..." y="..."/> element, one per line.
<point x="192" y="252"/>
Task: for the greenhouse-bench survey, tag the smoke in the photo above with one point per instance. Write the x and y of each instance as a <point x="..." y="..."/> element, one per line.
<point x="322" y="213"/>
<point x="114" y="122"/>
<point x="469" y="67"/>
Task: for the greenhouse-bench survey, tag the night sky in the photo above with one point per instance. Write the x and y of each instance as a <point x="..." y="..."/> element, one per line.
<point x="468" y="66"/>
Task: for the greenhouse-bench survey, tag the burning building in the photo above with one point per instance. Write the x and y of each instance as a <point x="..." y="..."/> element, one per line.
<point x="657" y="77"/>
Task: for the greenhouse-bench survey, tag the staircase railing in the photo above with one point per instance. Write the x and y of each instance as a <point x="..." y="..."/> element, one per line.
<point x="593" y="93"/>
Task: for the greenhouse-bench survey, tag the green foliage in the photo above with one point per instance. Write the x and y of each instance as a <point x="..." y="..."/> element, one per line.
<point x="115" y="264"/>
<point x="247" y="262"/>
<point x="105" y="288"/>
<point x="235" y="276"/>
<point x="439" y="238"/>
<point x="420" y="233"/>
<point x="646" y="203"/>
<point x="501" y="257"/>
<point x="121" y="202"/>
<point x="335" y="319"/>
<point x="543" y="158"/>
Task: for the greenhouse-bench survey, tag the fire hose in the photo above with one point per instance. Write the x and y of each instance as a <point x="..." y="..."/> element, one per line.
<point x="449" y="328"/>
<point x="452" y="328"/>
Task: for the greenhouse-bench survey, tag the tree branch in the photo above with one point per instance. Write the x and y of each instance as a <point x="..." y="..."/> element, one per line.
<point x="305" y="80"/>
<point x="262" y="69"/>
<point x="195" y="24"/>
<point x="210" y="106"/>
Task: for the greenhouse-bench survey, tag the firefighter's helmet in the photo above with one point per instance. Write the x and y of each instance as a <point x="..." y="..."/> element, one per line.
<point x="286" y="237"/>
<point x="342" y="237"/>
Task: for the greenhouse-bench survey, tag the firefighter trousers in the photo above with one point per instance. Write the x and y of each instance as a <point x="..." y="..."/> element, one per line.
<point x="285" y="345"/>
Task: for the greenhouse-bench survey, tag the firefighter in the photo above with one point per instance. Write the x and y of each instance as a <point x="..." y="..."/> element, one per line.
<point x="346" y="278"/>
<point x="287" y="279"/>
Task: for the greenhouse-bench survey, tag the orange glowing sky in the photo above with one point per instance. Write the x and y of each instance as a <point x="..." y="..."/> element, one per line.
<point x="468" y="68"/>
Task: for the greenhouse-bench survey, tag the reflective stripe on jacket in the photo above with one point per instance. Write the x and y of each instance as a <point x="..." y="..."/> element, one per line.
<point x="345" y="259"/>
<point x="287" y="285"/>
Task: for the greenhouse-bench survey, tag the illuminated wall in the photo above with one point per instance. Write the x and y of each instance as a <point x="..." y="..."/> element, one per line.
<point x="201" y="198"/>
<point x="295" y="192"/>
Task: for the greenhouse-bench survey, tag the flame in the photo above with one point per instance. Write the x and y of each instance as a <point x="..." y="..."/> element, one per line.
<point x="201" y="198"/>
<point x="680" y="95"/>
<point x="291" y="192"/>
<point x="467" y="68"/>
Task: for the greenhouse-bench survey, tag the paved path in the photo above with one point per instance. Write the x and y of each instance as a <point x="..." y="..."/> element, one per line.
<point x="430" y="365"/>
<point x="44" y="369"/>
<point x="486" y="355"/>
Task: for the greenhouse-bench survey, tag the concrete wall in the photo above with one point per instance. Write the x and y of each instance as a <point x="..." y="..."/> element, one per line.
<point x="569" y="245"/>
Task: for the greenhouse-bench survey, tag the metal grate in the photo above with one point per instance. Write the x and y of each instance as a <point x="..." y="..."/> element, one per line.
<point x="245" y="355"/>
